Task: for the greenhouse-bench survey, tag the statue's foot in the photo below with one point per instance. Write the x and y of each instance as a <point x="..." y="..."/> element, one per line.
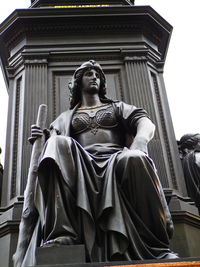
<point x="170" y="256"/>
<point x="60" y="241"/>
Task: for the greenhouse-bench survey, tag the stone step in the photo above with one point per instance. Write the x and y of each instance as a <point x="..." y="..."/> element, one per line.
<point x="184" y="262"/>
<point x="181" y="263"/>
<point x="74" y="256"/>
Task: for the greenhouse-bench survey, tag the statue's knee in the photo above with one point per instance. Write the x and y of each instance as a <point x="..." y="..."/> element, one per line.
<point x="134" y="154"/>
<point x="128" y="160"/>
<point x="60" y="141"/>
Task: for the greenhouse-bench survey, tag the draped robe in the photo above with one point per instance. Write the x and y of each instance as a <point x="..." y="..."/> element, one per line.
<point x="107" y="197"/>
<point x="191" y="169"/>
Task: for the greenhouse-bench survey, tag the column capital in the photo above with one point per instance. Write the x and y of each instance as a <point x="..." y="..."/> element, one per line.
<point x="37" y="61"/>
<point x="135" y="58"/>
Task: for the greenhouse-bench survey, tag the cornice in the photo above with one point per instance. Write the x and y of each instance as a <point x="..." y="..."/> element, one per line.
<point x="23" y="23"/>
<point x="105" y="25"/>
<point x="52" y="13"/>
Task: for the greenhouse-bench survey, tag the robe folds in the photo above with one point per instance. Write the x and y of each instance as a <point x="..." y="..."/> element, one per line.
<point x="191" y="169"/>
<point x="104" y="196"/>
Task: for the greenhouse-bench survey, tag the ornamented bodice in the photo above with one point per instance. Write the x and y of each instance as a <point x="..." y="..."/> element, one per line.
<point x="92" y="119"/>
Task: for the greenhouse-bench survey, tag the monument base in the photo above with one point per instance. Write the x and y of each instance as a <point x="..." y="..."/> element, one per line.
<point x="74" y="256"/>
<point x="187" y="262"/>
<point x="60" y="255"/>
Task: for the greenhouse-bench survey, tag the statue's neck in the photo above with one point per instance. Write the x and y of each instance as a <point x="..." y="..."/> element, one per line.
<point x="89" y="100"/>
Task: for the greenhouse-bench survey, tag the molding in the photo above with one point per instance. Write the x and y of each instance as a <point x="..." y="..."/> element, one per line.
<point x="35" y="21"/>
<point x="74" y="26"/>
<point x="58" y="21"/>
<point x="136" y="59"/>
<point x="38" y="13"/>
<point x="13" y="186"/>
<point x="121" y="91"/>
<point x="34" y="56"/>
<point x="35" y="62"/>
<point x="9" y="227"/>
<point x="54" y="95"/>
<point x="149" y="55"/>
<point x="186" y="218"/>
<point x="20" y="60"/>
<point x="165" y="135"/>
<point x="64" y="3"/>
<point x="18" y="202"/>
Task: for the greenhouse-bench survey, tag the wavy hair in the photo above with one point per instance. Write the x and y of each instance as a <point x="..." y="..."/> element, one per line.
<point x="188" y="142"/>
<point x="76" y="82"/>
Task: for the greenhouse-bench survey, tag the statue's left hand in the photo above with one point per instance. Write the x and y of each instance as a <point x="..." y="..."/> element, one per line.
<point x="139" y="144"/>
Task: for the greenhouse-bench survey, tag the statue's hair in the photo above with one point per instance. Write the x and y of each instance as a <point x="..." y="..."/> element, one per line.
<point x="189" y="141"/>
<point x="76" y="82"/>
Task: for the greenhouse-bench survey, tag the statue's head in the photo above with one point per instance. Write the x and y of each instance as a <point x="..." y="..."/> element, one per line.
<point x="76" y="82"/>
<point x="189" y="142"/>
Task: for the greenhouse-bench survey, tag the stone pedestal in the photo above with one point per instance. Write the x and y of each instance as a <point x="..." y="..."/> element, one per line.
<point x="193" y="262"/>
<point x="60" y="255"/>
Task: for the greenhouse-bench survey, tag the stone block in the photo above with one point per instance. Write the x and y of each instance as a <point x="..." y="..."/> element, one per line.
<point x="60" y="255"/>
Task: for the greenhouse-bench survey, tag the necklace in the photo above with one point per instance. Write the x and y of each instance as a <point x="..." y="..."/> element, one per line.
<point x="92" y="107"/>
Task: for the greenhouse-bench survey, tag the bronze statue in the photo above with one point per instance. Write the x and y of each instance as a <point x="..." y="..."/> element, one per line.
<point x="189" y="148"/>
<point x="92" y="188"/>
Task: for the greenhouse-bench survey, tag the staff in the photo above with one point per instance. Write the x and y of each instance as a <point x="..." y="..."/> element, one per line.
<point x="29" y="213"/>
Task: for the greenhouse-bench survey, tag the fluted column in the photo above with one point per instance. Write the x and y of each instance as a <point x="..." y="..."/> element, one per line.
<point x="9" y="181"/>
<point x="28" y="89"/>
<point x="144" y="92"/>
<point x="35" y="93"/>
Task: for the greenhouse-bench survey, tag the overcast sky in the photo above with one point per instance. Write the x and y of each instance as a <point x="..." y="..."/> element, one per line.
<point x="182" y="71"/>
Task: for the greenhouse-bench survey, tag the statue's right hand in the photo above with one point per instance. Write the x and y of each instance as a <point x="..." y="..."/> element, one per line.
<point x="36" y="132"/>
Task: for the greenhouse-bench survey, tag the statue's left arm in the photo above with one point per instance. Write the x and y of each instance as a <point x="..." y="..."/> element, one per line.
<point x="137" y="124"/>
<point x="144" y="133"/>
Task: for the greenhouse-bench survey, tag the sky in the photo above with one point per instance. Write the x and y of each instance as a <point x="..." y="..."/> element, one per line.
<point x="181" y="73"/>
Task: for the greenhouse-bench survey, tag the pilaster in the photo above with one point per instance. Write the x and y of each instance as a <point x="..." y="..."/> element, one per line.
<point x="144" y="90"/>
<point x="35" y="93"/>
<point x="27" y="89"/>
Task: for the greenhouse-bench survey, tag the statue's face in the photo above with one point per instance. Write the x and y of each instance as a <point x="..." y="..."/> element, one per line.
<point x="91" y="81"/>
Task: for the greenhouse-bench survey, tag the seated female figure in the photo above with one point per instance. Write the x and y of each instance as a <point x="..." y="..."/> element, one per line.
<point x="94" y="190"/>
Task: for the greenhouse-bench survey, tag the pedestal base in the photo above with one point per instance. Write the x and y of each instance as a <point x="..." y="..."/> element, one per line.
<point x="60" y="255"/>
<point x="187" y="262"/>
